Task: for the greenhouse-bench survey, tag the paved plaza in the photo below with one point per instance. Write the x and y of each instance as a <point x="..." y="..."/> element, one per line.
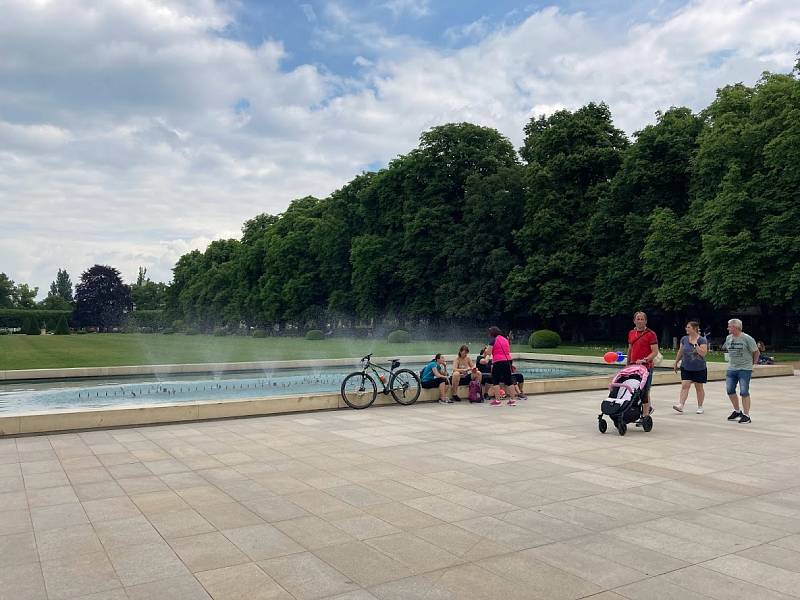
<point x="430" y="501"/>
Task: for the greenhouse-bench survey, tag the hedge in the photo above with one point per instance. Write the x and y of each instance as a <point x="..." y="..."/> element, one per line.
<point x="15" y="317"/>
<point x="315" y="335"/>
<point x="152" y="319"/>
<point x="399" y="336"/>
<point x="544" y="338"/>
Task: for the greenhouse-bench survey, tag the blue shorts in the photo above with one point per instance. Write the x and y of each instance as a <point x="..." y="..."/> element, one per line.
<point x="740" y="376"/>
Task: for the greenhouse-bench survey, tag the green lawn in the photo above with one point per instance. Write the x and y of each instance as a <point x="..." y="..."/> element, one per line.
<point x="109" y="349"/>
<point x="100" y="350"/>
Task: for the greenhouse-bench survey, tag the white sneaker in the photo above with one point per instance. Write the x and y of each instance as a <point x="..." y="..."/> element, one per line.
<point x="700" y="410"/>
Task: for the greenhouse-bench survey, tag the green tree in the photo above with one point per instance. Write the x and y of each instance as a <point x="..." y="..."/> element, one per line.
<point x="62" y="327"/>
<point x="572" y="157"/>
<point x="7" y="288"/>
<point x="147" y="294"/>
<point x="745" y="188"/>
<point x="428" y="188"/>
<point x="672" y="258"/>
<point x="655" y="173"/>
<point x="31" y="326"/>
<point x="62" y="287"/>
<point x="24" y="296"/>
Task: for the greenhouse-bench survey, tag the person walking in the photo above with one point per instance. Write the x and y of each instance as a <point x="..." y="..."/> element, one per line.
<point x="642" y="349"/>
<point x="742" y="355"/>
<point x="692" y="357"/>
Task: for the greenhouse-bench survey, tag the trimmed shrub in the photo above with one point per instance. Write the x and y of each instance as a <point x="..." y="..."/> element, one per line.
<point x="544" y="338"/>
<point x="31" y="326"/>
<point x="62" y="328"/>
<point x="220" y="332"/>
<point x="259" y="333"/>
<point x="167" y="331"/>
<point x="192" y="331"/>
<point x="315" y="335"/>
<point x="399" y="336"/>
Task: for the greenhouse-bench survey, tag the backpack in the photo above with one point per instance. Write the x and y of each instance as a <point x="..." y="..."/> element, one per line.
<point x="475" y="391"/>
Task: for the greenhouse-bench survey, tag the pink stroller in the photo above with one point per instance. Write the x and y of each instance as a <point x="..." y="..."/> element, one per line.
<point x="624" y="402"/>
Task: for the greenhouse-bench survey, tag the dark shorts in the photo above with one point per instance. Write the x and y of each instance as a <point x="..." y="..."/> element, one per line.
<point x="518" y="378"/>
<point x="695" y="376"/>
<point x="433" y="383"/>
<point x="501" y="373"/>
<point x="486" y="379"/>
<point x="465" y="379"/>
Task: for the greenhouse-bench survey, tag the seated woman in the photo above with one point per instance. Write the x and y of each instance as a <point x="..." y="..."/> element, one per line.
<point x="434" y="375"/>
<point x="763" y="359"/>
<point x="464" y="371"/>
<point x="519" y="383"/>
<point x="484" y="364"/>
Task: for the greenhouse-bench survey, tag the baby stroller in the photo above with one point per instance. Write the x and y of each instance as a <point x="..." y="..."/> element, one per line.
<point x="624" y="402"/>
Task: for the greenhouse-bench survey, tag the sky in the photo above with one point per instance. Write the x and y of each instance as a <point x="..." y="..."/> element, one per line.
<point x="134" y="131"/>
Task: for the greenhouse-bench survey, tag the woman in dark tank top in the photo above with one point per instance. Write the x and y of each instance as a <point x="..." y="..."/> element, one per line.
<point x="692" y="357"/>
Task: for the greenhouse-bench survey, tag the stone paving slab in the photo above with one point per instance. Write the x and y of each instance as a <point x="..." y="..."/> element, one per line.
<point x="430" y="501"/>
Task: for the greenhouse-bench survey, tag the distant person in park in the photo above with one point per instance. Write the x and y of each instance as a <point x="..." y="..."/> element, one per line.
<point x="763" y="359"/>
<point x="464" y="371"/>
<point x="742" y="355"/>
<point x="692" y="357"/>
<point x="501" y="367"/>
<point x="434" y="375"/>
<point x="642" y="349"/>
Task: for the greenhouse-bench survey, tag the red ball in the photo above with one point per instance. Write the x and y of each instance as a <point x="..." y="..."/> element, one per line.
<point x="610" y="357"/>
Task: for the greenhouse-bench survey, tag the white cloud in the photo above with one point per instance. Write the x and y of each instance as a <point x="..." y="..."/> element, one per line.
<point x="471" y="31"/>
<point x="415" y="8"/>
<point x="137" y="133"/>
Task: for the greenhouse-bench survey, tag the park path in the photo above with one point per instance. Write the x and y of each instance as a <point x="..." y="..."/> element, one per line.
<point x="430" y="501"/>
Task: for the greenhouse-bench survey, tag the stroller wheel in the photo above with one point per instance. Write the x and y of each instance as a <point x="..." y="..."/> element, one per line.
<point x="622" y="428"/>
<point x="602" y="425"/>
<point x="647" y="423"/>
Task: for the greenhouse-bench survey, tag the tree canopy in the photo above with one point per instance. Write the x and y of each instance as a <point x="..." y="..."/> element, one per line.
<point x="696" y="213"/>
<point x="101" y="298"/>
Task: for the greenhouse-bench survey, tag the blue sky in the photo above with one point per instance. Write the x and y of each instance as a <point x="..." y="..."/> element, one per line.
<point x="134" y="131"/>
<point x="312" y="32"/>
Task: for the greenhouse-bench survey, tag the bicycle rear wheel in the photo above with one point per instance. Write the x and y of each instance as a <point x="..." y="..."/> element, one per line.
<point x="359" y="390"/>
<point x="405" y="386"/>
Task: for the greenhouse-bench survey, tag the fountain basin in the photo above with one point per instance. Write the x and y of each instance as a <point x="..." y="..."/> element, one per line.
<point x="588" y="373"/>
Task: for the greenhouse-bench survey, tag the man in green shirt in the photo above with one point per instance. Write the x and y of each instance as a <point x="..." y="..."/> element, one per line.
<point x="742" y="355"/>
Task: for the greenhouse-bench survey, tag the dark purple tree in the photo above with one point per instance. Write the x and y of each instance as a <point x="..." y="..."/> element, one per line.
<point x="101" y="299"/>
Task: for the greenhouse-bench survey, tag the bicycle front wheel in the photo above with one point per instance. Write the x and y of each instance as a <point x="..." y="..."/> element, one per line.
<point x="405" y="386"/>
<point x="359" y="390"/>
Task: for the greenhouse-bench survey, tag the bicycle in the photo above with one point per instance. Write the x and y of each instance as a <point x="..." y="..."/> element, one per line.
<point x="359" y="389"/>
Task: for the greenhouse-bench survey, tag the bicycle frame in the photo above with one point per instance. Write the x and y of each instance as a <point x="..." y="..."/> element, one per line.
<point x="366" y="365"/>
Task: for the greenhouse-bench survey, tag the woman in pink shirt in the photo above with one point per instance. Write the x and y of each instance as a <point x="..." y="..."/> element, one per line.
<point x="501" y="366"/>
